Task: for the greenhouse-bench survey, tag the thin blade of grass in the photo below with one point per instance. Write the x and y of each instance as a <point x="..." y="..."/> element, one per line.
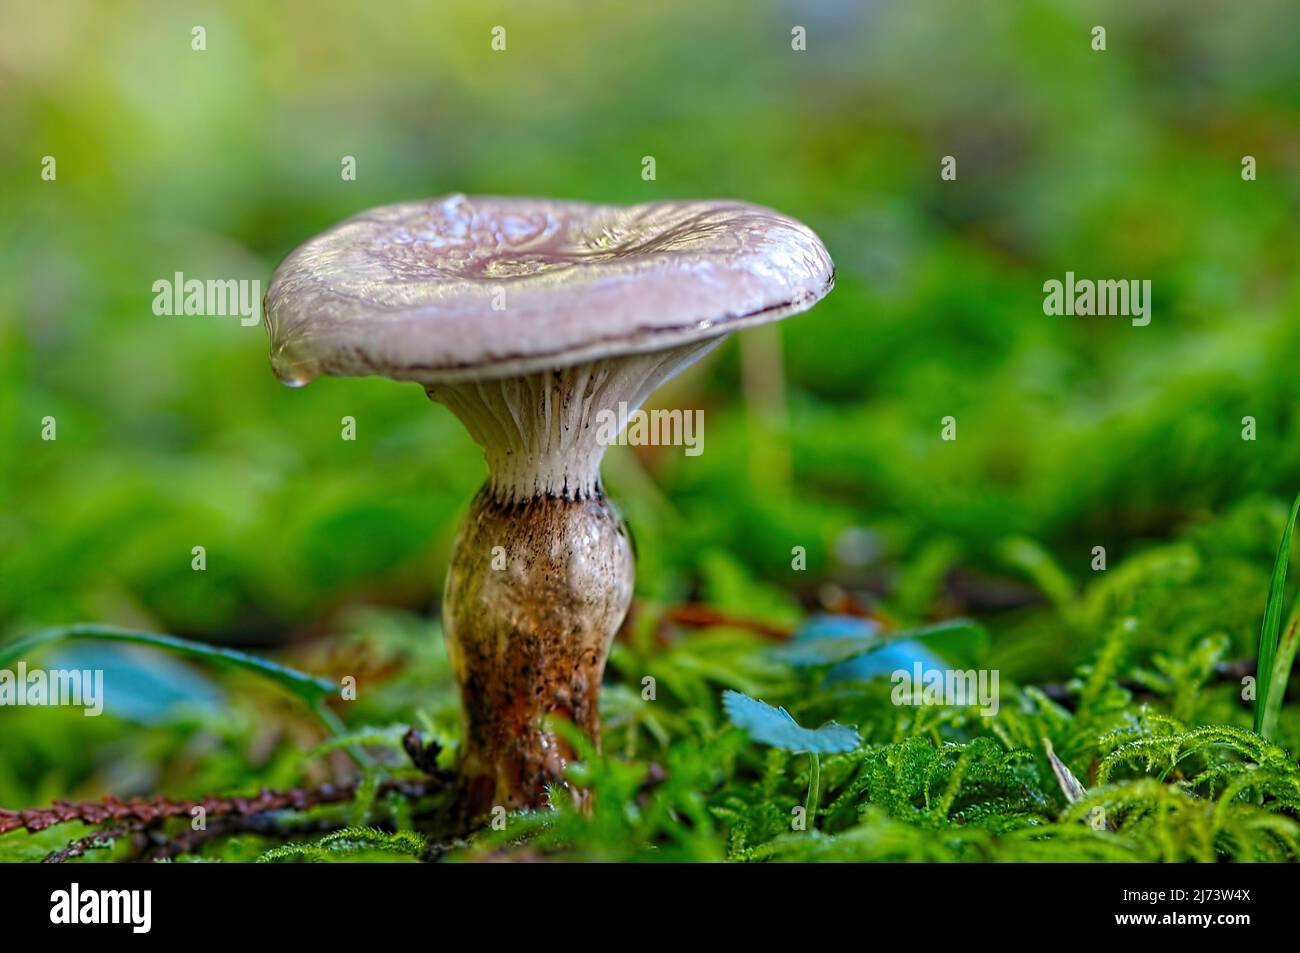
<point x="1273" y="667"/>
<point x="309" y="688"/>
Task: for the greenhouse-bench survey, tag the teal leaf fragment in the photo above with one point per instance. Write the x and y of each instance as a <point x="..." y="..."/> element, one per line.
<point x="828" y="642"/>
<point x="775" y="727"/>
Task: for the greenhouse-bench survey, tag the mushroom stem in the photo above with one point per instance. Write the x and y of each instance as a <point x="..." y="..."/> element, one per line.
<point x="530" y="639"/>
<point x="542" y="572"/>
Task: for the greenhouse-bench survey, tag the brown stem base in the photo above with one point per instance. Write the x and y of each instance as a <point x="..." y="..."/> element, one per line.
<point x="535" y="592"/>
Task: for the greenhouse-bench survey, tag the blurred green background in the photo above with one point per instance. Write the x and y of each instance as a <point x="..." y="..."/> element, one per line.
<point x="1074" y="432"/>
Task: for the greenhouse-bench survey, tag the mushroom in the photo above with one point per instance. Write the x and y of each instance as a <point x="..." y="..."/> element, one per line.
<point x="528" y="318"/>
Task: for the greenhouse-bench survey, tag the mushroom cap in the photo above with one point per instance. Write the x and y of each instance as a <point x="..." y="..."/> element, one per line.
<point x="461" y="288"/>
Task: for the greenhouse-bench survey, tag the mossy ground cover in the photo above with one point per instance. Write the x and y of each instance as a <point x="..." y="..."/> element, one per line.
<point x="1150" y="727"/>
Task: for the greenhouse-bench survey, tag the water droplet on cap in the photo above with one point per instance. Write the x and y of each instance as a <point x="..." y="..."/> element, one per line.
<point x="292" y="373"/>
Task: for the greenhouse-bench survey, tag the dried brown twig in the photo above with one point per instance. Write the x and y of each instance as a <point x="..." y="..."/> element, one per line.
<point x="100" y="840"/>
<point x="148" y="811"/>
<point x="693" y="615"/>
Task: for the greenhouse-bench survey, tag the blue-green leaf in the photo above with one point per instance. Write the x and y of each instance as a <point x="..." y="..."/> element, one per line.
<point x="825" y="645"/>
<point x="776" y="727"/>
